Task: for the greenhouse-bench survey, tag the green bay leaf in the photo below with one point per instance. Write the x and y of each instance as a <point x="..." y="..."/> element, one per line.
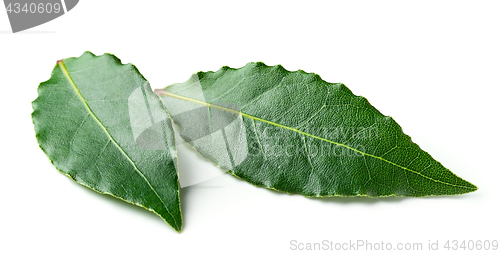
<point x="294" y="132"/>
<point x="99" y="123"/>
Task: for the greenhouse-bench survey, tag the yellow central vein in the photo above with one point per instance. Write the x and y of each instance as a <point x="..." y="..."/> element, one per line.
<point x="163" y="92"/>
<point x="66" y="73"/>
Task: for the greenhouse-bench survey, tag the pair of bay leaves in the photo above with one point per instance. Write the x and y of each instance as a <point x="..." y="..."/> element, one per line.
<point x="99" y="122"/>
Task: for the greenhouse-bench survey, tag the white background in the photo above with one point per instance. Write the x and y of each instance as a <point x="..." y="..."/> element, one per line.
<point x="432" y="65"/>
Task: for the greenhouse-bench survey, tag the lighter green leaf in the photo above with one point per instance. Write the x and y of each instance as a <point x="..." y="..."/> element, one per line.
<point x="294" y="132"/>
<point x="100" y="124"/>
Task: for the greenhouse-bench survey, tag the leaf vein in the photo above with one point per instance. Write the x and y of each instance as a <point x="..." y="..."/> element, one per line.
<point x="308" y="134"/>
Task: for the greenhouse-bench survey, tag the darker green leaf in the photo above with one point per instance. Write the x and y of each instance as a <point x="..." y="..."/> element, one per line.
<point x="100" y="124"/>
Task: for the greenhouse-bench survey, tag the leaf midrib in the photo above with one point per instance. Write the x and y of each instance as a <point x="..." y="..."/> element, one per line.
<point x="78" y="93"/>
<point x="163" y="92"/>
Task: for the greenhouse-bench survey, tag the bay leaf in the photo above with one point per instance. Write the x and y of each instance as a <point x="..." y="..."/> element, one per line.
<point x="296" y="133"/>
<point x="99" y="123"/>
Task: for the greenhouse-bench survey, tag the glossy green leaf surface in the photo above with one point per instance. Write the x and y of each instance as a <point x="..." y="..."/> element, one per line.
<point x="294" y="132"/>
<point x="99" y="123"/>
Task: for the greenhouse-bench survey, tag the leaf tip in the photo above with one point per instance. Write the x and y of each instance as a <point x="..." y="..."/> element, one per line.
<point x="473" y="187"/>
